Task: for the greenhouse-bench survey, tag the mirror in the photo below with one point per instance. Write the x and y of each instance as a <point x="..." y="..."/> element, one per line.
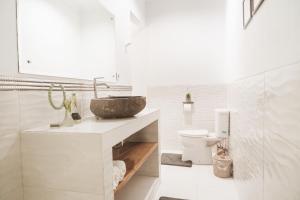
<point x="66" y="38"/>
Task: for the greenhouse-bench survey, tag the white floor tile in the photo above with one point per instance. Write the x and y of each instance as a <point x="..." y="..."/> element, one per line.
<point x="196" y="183"/>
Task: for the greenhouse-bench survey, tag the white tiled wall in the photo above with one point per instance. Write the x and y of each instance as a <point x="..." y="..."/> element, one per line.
<point x="282" y="134"/>
<point x="10" y="164"/>
<point x="23" y="110"/>
<point x="266" y="135"/>
<point x="247" y="100"/>
<point x="169" y="99"/>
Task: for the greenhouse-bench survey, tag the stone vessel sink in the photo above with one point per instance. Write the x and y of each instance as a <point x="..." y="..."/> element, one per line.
<point x="117" y="107"/>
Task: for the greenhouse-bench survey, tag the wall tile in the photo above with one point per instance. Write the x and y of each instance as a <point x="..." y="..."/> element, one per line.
<point x="62" y="162"/>
<point x="282" y="139"/>
<point x="281" y="169"/>
<point x="16" y="194"/>
<point x="50" y="194"/>
<point x="283" y="103"/>
<point x="35" y="109"/>
<point x="265" y="134"/>
<point x="10" y="164"/>
<point x="85" y="104"/>
<point x="246" y="141"/>
<point x="169" y="100"/>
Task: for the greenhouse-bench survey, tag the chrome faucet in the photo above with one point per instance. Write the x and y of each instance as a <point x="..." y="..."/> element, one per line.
<point x="98" y="84"/>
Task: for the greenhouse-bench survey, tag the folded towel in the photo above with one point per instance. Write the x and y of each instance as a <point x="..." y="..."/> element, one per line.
<point x="119" y="171"/>
<point x="121" y="165"/>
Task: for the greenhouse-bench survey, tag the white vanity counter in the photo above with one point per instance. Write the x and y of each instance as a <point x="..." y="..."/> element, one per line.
<point x="75" y="163"/>
<point x="112" y="131"/>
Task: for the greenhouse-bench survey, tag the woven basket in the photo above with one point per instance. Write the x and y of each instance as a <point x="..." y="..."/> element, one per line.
<point x="222" y="166"/>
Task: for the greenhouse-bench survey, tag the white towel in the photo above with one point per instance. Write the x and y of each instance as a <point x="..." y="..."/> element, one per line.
<point x="119" y="171"/>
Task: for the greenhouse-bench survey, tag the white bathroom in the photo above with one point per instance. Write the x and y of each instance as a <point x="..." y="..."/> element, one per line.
<point x="149" y="99"/>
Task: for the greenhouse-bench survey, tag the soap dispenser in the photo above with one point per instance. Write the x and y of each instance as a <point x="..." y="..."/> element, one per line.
<point x="222" y="122"/>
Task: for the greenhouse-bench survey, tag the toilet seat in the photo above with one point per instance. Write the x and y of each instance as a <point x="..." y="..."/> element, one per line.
<point x="194" y="133"/>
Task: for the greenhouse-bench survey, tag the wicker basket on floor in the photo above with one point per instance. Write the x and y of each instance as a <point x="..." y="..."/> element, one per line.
<point x="222" y="166"/>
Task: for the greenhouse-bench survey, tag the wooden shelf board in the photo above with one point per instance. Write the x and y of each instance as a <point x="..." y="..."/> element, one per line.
<point x="134" y="154"/>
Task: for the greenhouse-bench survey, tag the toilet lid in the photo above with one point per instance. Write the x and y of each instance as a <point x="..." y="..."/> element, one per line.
<point x="194" y="133"/>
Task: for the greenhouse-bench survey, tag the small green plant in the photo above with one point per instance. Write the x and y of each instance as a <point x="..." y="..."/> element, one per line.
<point x="188" y="97"/>
<point x="68" y="105"/>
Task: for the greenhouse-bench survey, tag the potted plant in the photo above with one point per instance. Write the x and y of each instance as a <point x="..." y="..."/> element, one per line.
<point x="188" y="97"/>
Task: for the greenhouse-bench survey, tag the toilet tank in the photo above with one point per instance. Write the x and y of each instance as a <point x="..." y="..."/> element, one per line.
<point x="222" y="120"/>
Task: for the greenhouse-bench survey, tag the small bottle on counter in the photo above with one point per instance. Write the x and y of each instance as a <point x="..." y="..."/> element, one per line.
<point x="75" y="113"/>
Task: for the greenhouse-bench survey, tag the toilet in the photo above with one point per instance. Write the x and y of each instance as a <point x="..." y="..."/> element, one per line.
<point x="197" y="144"/>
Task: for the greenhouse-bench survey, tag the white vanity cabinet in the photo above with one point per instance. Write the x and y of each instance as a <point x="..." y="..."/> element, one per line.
<point x="75" y="163"/>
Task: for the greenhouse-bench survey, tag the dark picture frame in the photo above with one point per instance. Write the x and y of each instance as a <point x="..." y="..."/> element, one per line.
<point x="256" y="5"/>
<point x="247" y="12"/>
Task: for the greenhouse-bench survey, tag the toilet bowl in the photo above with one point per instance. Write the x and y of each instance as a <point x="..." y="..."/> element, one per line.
<point x="197" y="145"/>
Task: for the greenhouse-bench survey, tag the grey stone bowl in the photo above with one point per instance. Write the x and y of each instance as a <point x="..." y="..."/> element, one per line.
<point x="117" y="107"/>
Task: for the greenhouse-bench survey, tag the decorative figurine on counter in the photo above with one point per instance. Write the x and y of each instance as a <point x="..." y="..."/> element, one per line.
<point x="70" y="105"/>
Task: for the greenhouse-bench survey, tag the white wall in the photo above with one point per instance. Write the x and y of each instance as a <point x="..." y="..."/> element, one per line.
<point x="182" y="46"/>
<point x="265" y="134"/>
<point x="8" y="38"/>
<point x="271" y="39"/>
<point x="265" y="99"/>
<point x="169" y="99"/>
<point x="183" y="43"/>
<point x="186" y="42"/>
<point x="138" y="56"/>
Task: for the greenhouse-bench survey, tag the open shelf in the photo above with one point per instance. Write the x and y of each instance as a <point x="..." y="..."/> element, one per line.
<point x="134" y="154"/>
<point x="139" y="188"/>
